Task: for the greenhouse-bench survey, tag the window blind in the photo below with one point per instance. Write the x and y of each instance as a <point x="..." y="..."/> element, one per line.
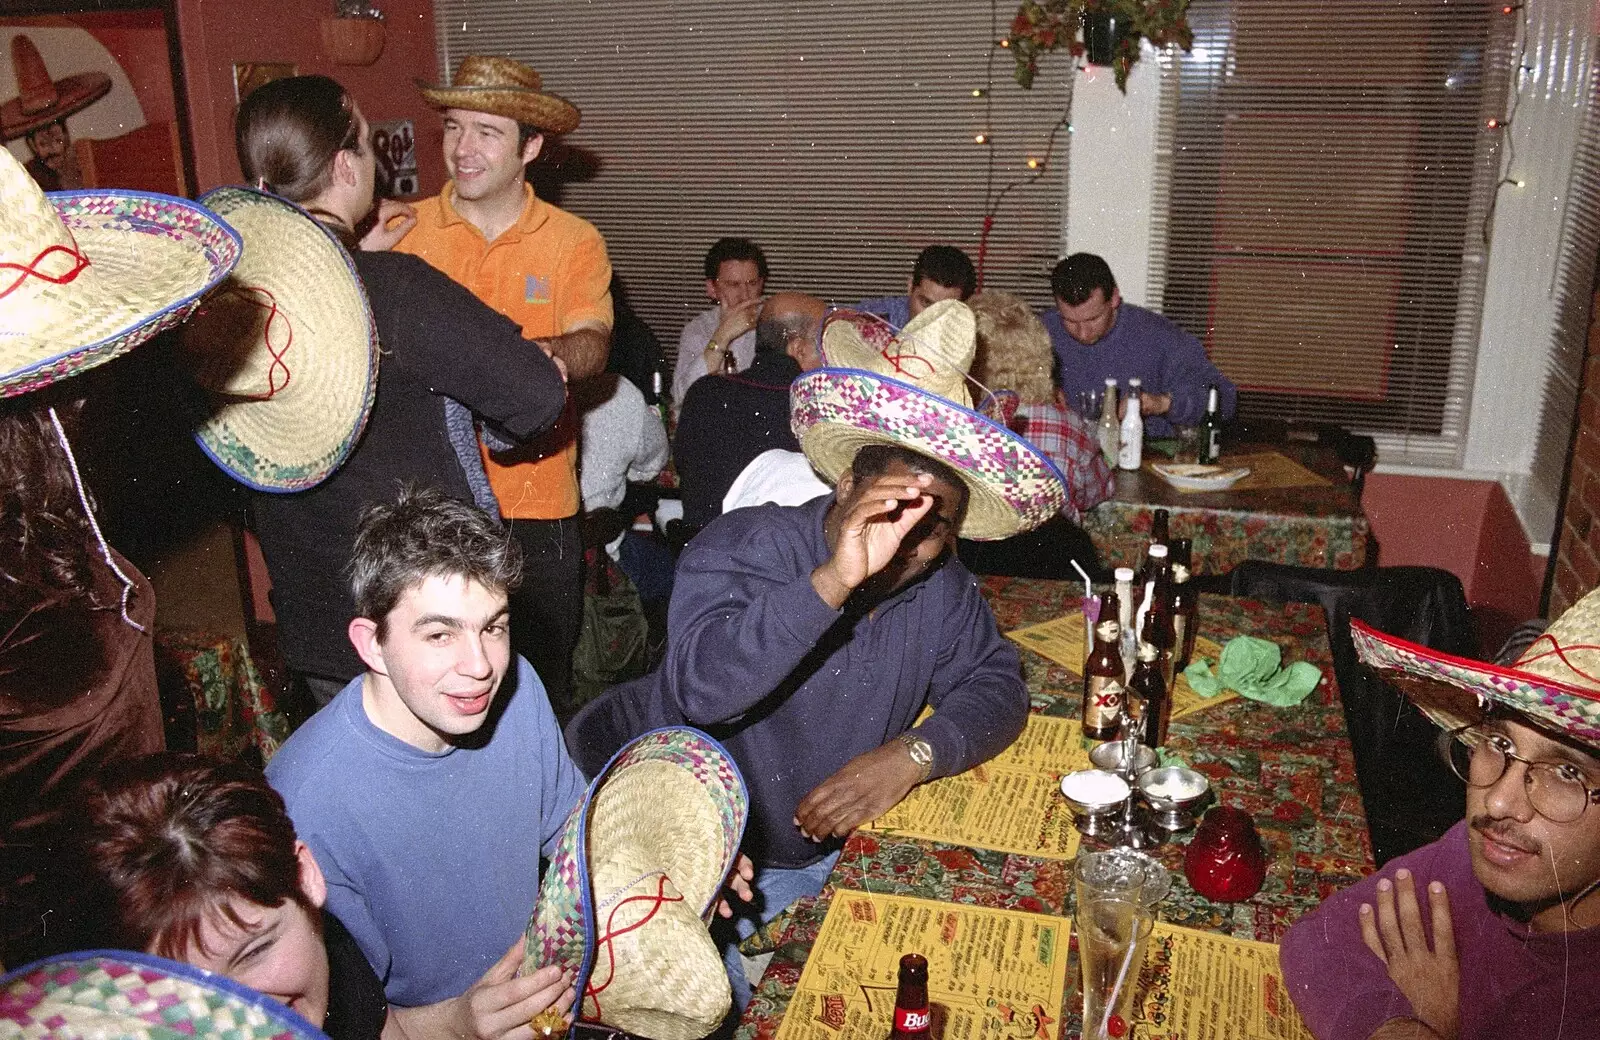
<point x="839" y="136"/>
<point x="1326" y="177"/>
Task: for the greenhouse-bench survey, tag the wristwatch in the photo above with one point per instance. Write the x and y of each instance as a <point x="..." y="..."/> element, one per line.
<point x="921" y="753"/>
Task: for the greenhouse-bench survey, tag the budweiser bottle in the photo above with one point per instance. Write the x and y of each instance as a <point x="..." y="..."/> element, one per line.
<point x="912" y="1018"/>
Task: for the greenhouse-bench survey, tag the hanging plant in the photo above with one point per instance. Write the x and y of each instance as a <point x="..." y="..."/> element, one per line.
<point x="1042" y="26"/>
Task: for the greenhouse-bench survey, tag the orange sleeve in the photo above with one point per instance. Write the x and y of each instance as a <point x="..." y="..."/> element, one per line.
<point x="584" y="288"/>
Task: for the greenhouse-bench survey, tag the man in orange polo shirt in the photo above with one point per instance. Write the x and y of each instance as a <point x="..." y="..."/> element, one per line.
<point x="547" y="270"/>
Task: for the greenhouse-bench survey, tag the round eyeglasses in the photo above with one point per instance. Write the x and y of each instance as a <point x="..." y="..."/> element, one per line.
<point x="1558" y="791"/>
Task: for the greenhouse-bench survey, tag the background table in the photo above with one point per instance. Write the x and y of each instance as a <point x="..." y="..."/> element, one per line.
<point x="1291" y="768"/>
<point x="1321" y="526"/>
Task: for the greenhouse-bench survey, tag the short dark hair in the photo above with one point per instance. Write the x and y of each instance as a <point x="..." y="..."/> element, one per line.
<point x="946" y="266"/>
<point x="427" y="534"/>
<point x="875" y="459"/>
<point x="525" y="133"/>
<point x="725" y="249"/>
<point x="165" y="842"/>
<point x="1076" y="278"/>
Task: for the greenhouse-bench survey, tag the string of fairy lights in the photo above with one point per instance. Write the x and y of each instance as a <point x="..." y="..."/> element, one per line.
<point x="1037" y="164"/>
<point x="1502" y="124"/>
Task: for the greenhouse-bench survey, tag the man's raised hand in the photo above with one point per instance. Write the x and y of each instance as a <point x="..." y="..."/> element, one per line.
<point x="1429" y="978"/>
<point x="877" y="517"/>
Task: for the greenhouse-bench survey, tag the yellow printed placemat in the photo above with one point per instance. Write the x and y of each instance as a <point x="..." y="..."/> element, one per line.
<point x="992" y="974"/>
<point x="1268" y="469"/>
<point x="1011" y="803"/>
<point x="1062" y="641"/>
<point x="1216" y="987"/>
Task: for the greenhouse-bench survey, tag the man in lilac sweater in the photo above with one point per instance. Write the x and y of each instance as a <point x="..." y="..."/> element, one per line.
<point x="1098" y="337"/>
<point x="1494" y="929"/>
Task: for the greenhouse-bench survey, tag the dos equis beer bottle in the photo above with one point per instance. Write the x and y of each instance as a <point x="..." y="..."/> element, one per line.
<point x="912" y="1019"/>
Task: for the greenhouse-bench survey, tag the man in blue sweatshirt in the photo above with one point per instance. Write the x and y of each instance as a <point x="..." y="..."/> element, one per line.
<point x="808" y="639"/>
<point x="1098" y="337"/>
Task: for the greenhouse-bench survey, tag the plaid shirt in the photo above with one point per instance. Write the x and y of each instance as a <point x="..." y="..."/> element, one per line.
<point x="1072" y="444"/>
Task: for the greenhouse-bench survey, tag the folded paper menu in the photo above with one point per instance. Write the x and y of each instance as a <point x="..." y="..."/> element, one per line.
<point x="1011" y="803"/>
<point x="992" y="974"/>
<point x="1204" y="985"/>
<point x="1062" y="641"/>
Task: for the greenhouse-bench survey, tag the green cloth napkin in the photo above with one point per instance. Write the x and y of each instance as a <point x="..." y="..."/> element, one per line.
<point x="1252" y="668"/>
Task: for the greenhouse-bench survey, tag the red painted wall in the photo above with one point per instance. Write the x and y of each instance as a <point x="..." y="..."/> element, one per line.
<point x="217" y="33"/>
<point x="1467" y="527"/>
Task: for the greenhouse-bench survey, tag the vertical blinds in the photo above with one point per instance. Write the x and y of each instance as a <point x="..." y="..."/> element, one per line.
<point x="1328" y="175"/>
<point x="840" y="136"/>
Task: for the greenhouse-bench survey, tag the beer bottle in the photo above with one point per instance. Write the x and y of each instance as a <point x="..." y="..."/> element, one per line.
<point x="1185" y="604"/>
<point x="1210" y="448"/>
<point x="1159" y="629"/>
<point x="1110" y="426"/>
<point x="1159" y="525"/>
<point x="1103" y="683"/>
<point x="1150" y="690"/>
<point x="730" y="364"/>
<point x="912" y="1018"/>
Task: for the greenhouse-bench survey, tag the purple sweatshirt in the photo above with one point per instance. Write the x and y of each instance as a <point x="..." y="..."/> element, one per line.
<point x="795" y="689"/>
<point x="1142" y="343"/>
<point x="1514" y="983"/>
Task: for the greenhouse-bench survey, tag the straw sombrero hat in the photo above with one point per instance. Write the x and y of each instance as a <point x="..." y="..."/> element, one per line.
<point x="909" y="387"/>
<point x="41" y="100"/>
<point x="88" y="275"/>
<point x="634" y="880"/>
<point x="1555" y="683"/>
<point x="287" y="346"/>
<point x="116" y="995"/>
<point x="502" y="87"/>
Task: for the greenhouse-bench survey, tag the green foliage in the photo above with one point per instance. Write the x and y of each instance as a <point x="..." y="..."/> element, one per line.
<point x="1042" y="26"/>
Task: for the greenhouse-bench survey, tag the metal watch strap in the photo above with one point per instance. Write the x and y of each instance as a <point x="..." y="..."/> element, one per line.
<point x="921" y="753"/>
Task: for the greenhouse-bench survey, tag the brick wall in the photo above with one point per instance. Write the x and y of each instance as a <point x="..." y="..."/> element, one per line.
<point x="1577" y="557"/>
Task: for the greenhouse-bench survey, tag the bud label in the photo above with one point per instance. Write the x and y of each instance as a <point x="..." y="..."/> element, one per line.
<point x="911" y="1020"/>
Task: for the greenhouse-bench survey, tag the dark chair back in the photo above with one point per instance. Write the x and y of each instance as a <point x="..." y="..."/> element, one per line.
<point x="1411" y="796"/>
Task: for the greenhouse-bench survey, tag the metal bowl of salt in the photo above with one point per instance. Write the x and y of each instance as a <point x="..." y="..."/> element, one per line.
<point x="1175" y="794"/>
<point x="1096" y="798"/>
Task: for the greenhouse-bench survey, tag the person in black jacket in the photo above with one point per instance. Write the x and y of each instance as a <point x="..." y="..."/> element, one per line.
<point x="448" y="362"/>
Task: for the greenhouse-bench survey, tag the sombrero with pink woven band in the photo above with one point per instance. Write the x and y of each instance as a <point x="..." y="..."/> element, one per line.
<point x="88" y="275"/>
<point x="287" y="346"/>
<point x="116" y="995"/>
<point x="503" y="87"/>
<point x="1555" y="683"/>
<point x="636" y="875"/>
<point x="910" y="387"/>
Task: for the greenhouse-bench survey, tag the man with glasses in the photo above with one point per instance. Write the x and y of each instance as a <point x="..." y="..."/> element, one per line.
<point x="1494" y="929"/>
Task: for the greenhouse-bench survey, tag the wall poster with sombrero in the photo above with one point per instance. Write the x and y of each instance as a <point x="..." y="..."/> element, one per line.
<point x="95" y="98"/>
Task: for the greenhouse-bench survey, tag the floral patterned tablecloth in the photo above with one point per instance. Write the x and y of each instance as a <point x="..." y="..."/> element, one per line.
<point x="236" y="717"/>
<point x="1290" y="768"/>
<point x="1321" y="526"/>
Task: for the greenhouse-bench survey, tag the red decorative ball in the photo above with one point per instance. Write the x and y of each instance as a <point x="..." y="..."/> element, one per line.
<point x="1225" y="861"/>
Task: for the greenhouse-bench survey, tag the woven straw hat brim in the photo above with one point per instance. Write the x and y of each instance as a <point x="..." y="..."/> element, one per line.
<point x="151" y="259"/>
<point x="551" y="113"/>
<point x="1014" y="487"/>
<point x="322" y="330"/>
<point x="73" y="94"/>
<point x="1453" y="691"/>
<point x="653" y="839"/>
<point x="116" y="995"/>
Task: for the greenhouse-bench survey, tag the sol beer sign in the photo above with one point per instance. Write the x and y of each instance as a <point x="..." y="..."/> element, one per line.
<point x="395" y="141"/>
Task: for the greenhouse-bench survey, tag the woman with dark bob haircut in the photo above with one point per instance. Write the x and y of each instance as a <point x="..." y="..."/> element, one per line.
<point x="196" y="860"/>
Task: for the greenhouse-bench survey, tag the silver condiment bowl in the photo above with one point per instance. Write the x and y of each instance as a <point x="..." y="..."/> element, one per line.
<point x="1174" y="793"/>
<point x="1109" y="756"/>
<point x="1092" y="818"/>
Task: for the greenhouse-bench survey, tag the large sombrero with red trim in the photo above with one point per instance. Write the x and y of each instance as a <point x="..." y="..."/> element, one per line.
<point x="88" y="275"/>
<point x="1555" y="683"/>
<point x="637" y="872"/>
<point x="116" y="995"/>
<point x="287" y="346"/>
<point x="909" y="387"/>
